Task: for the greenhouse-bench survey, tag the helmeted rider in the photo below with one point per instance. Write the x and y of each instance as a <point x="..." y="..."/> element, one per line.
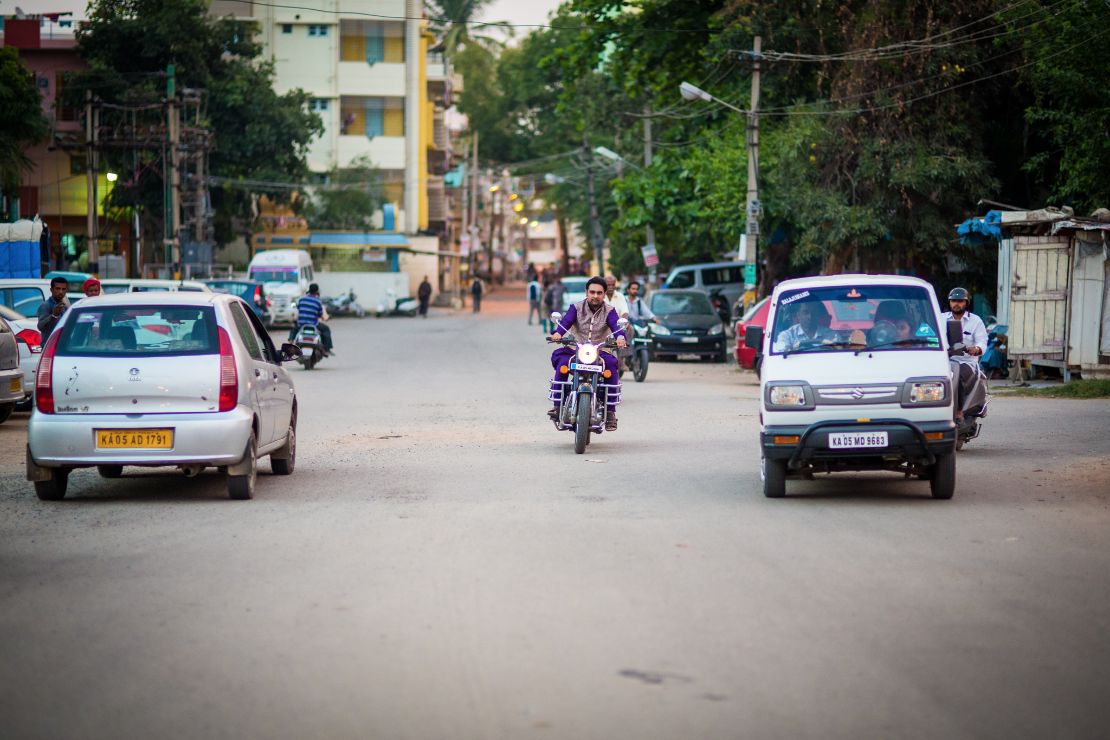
<point x="592" y="321"/>
<point x="975" y="339"/>
<point x="311" y="312"/>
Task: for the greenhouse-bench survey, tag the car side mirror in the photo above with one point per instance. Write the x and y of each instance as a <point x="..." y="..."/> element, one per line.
<point x="955" y="333"/>
<point x="556" y="317"/>
<point x="753" y="337"/>
<point x="290" y="351"/>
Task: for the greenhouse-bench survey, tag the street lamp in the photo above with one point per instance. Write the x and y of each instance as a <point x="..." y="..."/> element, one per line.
<point x="111" y="176"/>
<point x="610" y="154"/>
<point x="553" y="179"/>
<point x="693" y="92"/>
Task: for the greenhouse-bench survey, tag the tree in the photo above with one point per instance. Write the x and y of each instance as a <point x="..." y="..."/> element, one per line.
<point x="452" y="21"/>
<point x="259" y="135"/>
<point x="22" y="123"/>
<point x="349" y="199"/>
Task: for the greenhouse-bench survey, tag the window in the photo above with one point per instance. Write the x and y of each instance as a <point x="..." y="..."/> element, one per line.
<point x="372" y="117"/>
<point x="140" y="331"/>
<point x="682" y="280"/>
<point x="371" y="42"/>
<point x="319" y="104"/>
<point x="287" y="28"/>
<point x="246" y="333"/>
<point x="24" y="300"/>
<point x="722" y="276"/>
<point x="692" y="303"/>
<point x="317" y="30"/>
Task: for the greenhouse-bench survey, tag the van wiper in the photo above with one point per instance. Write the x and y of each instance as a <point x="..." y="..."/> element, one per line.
<point x="818" y="347"/>
<point x="903" y="343"/>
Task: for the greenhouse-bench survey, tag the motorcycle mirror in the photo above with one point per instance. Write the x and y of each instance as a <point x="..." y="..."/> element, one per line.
<point x="290" y="351"/>
<point x="556" y="316"/>
<point x="623" y="322"/>
<point x="955" y="333"/>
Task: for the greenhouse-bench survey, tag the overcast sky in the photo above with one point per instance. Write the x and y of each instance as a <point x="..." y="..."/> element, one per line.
<point x="526" y="12"/>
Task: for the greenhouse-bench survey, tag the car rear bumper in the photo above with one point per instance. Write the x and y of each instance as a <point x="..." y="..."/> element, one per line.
<point x="12" y="386"/>
<point x="57" y="440"/>
<point x="907" y="442"/>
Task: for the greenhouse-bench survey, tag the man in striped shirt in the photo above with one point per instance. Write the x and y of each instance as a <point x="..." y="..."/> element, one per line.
<point x="311" y="312"/>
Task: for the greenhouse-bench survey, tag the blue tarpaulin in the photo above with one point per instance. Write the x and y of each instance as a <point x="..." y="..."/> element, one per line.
<point x="978" y="230"/>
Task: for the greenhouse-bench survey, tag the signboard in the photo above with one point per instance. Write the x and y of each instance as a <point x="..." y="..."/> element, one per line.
<point x="373" y="255"/>
<point x="651" y="258"/>
<point x="464" y="245"/>
<point x="749" y="274"/>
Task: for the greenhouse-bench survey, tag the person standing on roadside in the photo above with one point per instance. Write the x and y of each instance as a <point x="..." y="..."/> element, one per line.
<point x="424" y="294"/>
<point x="476" y="294"/>
<point x="53" y="307"/>
<point x="535" y="294"/>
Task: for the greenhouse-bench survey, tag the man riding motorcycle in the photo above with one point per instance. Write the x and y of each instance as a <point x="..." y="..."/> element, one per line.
<point x="638" y="310"/>
<point x="975" y="339"/>
<point x="591" y="320"/>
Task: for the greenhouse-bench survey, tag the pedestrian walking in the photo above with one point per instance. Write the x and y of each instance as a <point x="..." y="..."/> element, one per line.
<point x="553" y="298"/>
<point x="424" y="294"/>
<point x="535" y="294"/>
<point x="53" y="307"/>
<point x="476" y="294"/>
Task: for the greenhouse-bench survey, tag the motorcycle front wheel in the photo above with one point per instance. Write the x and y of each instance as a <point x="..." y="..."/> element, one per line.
<point x="640" y="367"/>
<point x="582" y="423"/>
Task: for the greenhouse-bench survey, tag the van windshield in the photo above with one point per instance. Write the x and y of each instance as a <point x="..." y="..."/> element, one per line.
<point x="140" y="331"/>
<point x="847" y="318"/>
<point x="275" y="275"/>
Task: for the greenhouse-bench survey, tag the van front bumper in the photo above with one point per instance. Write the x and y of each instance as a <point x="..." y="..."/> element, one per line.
<point x="907" y="441"/>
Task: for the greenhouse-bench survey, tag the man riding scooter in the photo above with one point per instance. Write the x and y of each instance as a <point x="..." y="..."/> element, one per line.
<point x="974" y="338"/>
<point x="311" y="312"/>
<point x="591" y="320"/>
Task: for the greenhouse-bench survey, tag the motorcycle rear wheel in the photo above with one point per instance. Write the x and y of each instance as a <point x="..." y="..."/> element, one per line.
<point x="582" y="423"/>
<point x="640" y="367"/>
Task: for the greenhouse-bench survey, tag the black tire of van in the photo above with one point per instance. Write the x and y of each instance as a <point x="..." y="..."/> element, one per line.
<point x="942" y="478"/>
<point x="774" y="478"/>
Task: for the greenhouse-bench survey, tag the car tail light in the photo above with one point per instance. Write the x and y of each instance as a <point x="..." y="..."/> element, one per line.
<point x="229" y="376"/>
<point x="740" y="330"/>
<point x="32" y="338"/>
<point x="44" y="377"/>
<point x="258" y="295"/>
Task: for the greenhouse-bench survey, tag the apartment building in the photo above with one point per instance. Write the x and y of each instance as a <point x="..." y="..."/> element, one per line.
<point x="364" y="62"/>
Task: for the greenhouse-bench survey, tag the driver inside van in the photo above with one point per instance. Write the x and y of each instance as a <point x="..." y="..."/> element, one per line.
<point x="811" y="325"/>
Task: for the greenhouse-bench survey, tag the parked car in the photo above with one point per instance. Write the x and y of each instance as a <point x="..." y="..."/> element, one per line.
<point x="575" y="291"/>
<point x="251" y="291"/>
<point x="29" y="342"/>
<point x="686" y="323"/>
<point x="110" y="286"/>
<point x="722" y="279"/>
<point x="11" y="377"/>
<point x="747" y="357"/>
<point x="183" y="379"/>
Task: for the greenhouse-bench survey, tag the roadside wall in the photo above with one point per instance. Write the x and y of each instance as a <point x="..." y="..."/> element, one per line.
<point x="370" y="287"/>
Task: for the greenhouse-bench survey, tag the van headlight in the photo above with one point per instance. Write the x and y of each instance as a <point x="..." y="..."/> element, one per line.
<point x="931" y="392"/>
<point x="715" y="330"/>
<point x="660" y="330"/>
<point x="587" y="354"/>
<point x="791" y="396"/>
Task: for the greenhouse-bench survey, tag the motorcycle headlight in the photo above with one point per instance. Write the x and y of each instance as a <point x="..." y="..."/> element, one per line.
<point x="715" y="330"/>
<point x="660" y="330"/>
<point x="927" y="392"/>
<point x="587" y="354"/>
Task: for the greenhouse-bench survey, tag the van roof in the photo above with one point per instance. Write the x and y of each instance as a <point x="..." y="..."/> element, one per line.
<point x="846" y="279"/>
<point x="280" y="257"/>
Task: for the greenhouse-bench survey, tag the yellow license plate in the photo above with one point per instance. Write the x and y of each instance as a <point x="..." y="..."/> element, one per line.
<point x="15" y="385"/>
<point x="134" y="439"/>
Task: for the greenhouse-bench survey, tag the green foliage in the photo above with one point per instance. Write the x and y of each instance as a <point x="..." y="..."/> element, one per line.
<point x="22" y="123"/>
<point x="259" y="134"/>
<point x="453" y="20"/>
<point x="1080" y="389"/>
<point x="350" y="198"/>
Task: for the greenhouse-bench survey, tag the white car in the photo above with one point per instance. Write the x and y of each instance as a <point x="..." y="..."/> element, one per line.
<point x="11" y="377"/>
<point x="184" y="379"/>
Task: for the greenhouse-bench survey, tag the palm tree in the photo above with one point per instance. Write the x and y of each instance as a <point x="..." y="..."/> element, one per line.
<point x="452" y="21"/>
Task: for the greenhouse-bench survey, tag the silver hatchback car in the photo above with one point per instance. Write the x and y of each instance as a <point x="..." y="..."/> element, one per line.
<point x="185" y="379"/>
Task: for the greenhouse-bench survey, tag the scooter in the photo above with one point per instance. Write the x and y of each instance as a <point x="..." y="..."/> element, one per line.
<point x="311" y="344"/>
<point x="586" y="393"/>
<point x="978" y="397"/>
<point x="393" y="306"/>
<point x="994" y="362"/>
<point x="641" y="353"/>
<point x="345" y="304"/>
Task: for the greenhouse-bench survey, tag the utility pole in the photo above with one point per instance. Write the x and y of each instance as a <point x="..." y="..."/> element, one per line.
<point x="474" y="206"/>
<point x="173" y="220"/>
<point x="751" y="255"/>
<point x="595" y="226"/>
<point x="647" y="164"/>
<point x="91" y="224"/>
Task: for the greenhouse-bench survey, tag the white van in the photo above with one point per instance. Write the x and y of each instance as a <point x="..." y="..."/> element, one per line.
<point x="723" y="278"/>
<point x="855" y="376"/>
<point x="285" y="275"/>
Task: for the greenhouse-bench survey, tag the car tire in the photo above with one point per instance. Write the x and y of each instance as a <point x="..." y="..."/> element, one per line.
<point x="774" y="477"/>
<point x="110" y="471"/>
<point x="6" y="410"/>
<point x="285" y="464"/>
<point x="942" y="478"/>
<point x="241" y="487"/>
<point x="53" y="489"/>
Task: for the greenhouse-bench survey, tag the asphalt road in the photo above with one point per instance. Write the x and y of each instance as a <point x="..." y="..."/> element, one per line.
<point x="442" y="565"/>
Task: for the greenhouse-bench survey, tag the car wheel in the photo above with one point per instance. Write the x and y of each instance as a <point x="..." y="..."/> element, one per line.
<point x="6" y="411"/>
<point x="241" y="487"/>
<point x="55" y="488"/>
<point x="774" y="477"/>
<point x="942" y="481"/>
<point x="284" y="460"/>
<point x="110" y="471"/>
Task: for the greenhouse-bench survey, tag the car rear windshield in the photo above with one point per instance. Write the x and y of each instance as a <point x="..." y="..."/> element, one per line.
<point x="140" y="331"/>
<point x="851" y="318"/>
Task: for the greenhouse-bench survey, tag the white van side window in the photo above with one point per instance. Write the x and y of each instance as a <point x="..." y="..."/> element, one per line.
<point x="682" y="280"/>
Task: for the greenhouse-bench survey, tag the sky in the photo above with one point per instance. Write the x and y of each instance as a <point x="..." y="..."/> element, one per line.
<point x="521" y="12"/>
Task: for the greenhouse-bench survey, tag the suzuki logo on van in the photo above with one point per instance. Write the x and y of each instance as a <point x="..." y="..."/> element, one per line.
<point x="857" y="393"/>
